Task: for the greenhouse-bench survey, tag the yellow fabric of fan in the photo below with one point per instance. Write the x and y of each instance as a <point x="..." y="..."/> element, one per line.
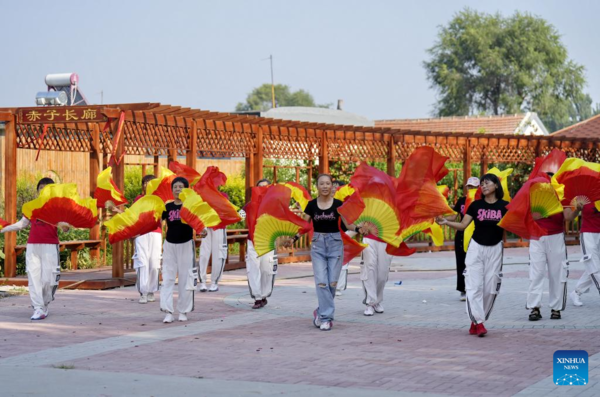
<point x="268" y="230"/>
<point x="468" y="235"/>
<point x="503" y="176"/>
<point x="343" y="192"/>
<point x="198" y="208"/>
<point x="544" y="200"/>
<point x="380" y="214"/>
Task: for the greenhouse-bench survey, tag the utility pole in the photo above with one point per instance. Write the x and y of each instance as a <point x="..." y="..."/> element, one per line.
<point x="270" y="58"/>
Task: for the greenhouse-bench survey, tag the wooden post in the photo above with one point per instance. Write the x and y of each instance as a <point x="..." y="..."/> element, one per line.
<point x="258" y="156"/>
<point x="119" y="176"/>
<point x="274" y="174"/>
<point x="323" y="154"/>
<point x="467" y="162"/>
<point x="144" y="169"/>
<point x="297" y="174"/>
<point x="171" y="156"/>
<point x="94" y="171"/>
<point x="250" y="182"/>
<point x="10" y="197"/>
<point x="483" y="164"/>
<point x="156" y="168"/>
<point x="309" y="176"/>
<point x="391" y="160"/>
<point x="190" y="159"/>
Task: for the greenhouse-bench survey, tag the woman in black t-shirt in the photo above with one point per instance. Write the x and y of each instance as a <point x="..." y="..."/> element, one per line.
<point x="327" y="250"/>
<point x="179" y="258"/>
<point x="483" y="274"/>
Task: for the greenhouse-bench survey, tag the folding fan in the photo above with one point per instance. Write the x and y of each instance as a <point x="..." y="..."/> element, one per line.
<point x="503" y="176"/>
<point x="207" y="188"/>
<point x="536" y="196"/>
<point x="401" y="250"/>
<point x="275" y="219"/>
<point x="544" y="200"/>
<point x="196" y="212"/>
<point x="436" y="233"/>
<point x="183" y="170"/>
<point x="444" y="191"/>
<point x="597" y="205"/>
<point x="344" y="192"/>
<point x="580" y="178"/>
<point x="299" y="193"/>
<point x="352" y="248"/>
<point x="3" y="223"/>
<point x="141" y="218"/>
<point x="61" y="203"/>
<point x="107" y="193"/>
<point x="161" y="186"/>
<point x="549" y="163"/>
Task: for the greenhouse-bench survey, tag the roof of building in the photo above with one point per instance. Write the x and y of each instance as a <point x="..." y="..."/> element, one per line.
<point x="589" y="128"/>
<point x="505" y="124"/>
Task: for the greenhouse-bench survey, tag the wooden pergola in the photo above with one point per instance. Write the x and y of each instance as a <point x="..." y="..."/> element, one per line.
<point x="154" y="129"/>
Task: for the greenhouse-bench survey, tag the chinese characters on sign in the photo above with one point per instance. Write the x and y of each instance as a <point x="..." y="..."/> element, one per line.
<point x="63" y="114"/>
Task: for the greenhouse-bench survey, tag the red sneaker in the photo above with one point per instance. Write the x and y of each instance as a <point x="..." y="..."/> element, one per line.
<point x="480" y="330"/>
<point x="472" y="330"/>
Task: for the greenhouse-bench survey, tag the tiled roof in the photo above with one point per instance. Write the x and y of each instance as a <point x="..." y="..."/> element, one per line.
<point x="506" y="124"/>
<point x="589" y="128"/>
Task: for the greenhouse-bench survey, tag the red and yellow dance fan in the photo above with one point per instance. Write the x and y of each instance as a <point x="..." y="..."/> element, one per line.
<point x="401" y="250"/>
<point x="352" y="248"/>
<point x="207" y="188"/>
<point x="299" y="193"/>
<point x="252" y="207"/>
<point x="580" y="179"/>
<point x="374" y="203"/>
<point x="61" y="203"/>
<point x="444" y="191"/>
<point x="161" y="186"/>
<point x="196" y="212"/>
<point x="141" y="218"/>
<point x="3" y="223"/>
<point x="274" y="219"/>
<point x="183" y="170"/>
<point x="550" y="163"/>
<point x="107" y="194"/>
<point x="417" y="195"/>
<point x="536" y="196"/>
<point x="344" y="192"/>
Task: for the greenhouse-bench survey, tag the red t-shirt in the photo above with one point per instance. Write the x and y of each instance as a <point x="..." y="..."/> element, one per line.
<point x="590" y="219"/>
<point x="42" y="233"/>
<point x="554" y="224"/>
<point x="159" y="225"/>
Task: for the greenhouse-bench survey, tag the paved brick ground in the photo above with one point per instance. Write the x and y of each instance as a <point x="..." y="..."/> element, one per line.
<point x="419" y="346"/>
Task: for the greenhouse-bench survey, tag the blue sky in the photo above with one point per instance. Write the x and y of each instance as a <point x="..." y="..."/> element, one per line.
<point x="209" y="55"/>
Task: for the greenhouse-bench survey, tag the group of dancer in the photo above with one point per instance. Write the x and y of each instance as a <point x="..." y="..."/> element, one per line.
<point x="479" y="267"/>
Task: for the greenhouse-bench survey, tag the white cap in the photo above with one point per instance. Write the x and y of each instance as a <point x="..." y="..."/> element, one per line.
<point x="473" y="181"/>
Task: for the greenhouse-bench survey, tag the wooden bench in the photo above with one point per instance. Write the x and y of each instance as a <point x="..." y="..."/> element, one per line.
<point x="73" y="246"/>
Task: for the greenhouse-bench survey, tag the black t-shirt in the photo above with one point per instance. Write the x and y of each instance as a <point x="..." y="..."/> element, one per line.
<point x="324" y="221"/>
<point x="486" y="217"/>
<point x="459" y="208"/>
<point x="177" y="232"/>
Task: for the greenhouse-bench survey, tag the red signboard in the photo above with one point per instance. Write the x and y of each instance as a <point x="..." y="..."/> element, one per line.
<point x="60" y="114"/>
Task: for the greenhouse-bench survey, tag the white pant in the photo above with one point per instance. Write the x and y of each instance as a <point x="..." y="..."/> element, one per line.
<point x="179" y="260"/>
<point x="374" y="270"/>
<point x="42" y="264"/>
<point x="590" y="248"/>
<point x="343" y="281"/>
<point x="215" y="244"/>
<point x="483" y="278"/>
<point x="146" y="261"/>
<point x="548" y="254"/>
<point x="261" y="272"/>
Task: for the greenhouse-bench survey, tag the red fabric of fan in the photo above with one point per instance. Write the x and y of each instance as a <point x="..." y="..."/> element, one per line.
<point x="183" y="170"/>
<point x="549" y="163"/>
<point x="207" y="188"/>
<point x="580" y="178"/>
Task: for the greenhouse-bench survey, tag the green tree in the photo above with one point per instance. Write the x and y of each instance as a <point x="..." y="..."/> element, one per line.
<point x="260" y="99"/>
<point x="490" y="64"/>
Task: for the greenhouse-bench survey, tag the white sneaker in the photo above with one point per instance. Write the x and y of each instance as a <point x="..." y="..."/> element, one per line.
<point x="326" y="325"/>
<point x="151" y="297"/>
<point x="316" y="319"/>
<point x="143" y="299"/>
<point x="338" y="293"/>
<point x="182" y="317"/>
<point x="369" y="311"/>
<point x="575" y="298"/>
<point x="168" y="318"/>
<point x="463" y="296"/>
<point x="213" y="288"/>
<point x="46" y="311"/>
<point x="38" y="314"/>
<point x="202" y="287"/>
<point x="378" y="308"/>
